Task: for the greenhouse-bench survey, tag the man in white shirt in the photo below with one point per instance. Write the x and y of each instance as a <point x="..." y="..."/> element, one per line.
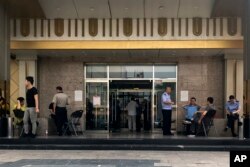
<point x="60" y="101"/>
<point x="131" y="107"/>
<point x="167" y="103"/>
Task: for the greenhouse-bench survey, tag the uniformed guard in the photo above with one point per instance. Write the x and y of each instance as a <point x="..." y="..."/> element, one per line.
<point x="232" y="109"/>
<point x="167" y="103"/>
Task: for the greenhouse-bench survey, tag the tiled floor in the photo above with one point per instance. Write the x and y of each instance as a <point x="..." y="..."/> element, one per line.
<point x="66" y="158"/>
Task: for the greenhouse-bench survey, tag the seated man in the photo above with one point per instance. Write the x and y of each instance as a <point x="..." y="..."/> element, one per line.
<point x="190" y="109"/>
<point x="205" y="115"/>
<point x="232" y="110"/>
<point x="18" y="110"/>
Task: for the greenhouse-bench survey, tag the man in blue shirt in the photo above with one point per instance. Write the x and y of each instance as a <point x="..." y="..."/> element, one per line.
<point x="167" y="103"/>
<point x="190" y="109"/>
<point x="232" y="109"/>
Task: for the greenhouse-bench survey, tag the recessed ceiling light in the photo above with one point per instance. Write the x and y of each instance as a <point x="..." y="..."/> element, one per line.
<point x="91" y="9"/>
<point x="126" y="8"/>
<point x="161" y="7"/>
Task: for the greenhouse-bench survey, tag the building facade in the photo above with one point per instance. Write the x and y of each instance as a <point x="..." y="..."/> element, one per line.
<point x="111" y="50"/>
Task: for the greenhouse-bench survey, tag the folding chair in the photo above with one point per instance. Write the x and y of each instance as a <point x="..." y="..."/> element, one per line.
<point x="185" y="124"/>
<point x="74" y="122"/>
<point x="208" y="122"/>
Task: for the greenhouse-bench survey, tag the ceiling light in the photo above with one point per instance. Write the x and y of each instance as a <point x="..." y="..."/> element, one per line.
<point x="58" y="9"/>
<point x="161" y="7"/>
<point x="126" y="8"/>
<point x="91" y="9"/>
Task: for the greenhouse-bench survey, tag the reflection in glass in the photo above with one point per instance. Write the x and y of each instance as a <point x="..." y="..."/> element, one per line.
<point x="96" y="71"/>
<point x="130" y="71"/>
<point x="165" y="71"/>
<point x="96" y="115"/>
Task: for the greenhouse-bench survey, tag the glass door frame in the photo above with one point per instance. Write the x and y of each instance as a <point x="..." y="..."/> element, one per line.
<point x="153" y="106"/>
<point x="108" y="79"/>
<point x="95" y="80"/>
<point x="137" y="91"/>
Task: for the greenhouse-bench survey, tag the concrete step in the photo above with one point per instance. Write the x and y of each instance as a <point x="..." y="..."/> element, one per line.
<point x="79" y="143"/>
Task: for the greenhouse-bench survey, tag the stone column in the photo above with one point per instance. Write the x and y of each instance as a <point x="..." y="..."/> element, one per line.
<point x="22" y="75"/>
<point x="4" y="52"/>
<point x="234" y="75"/>
<point x="229" y="77"/>
<point x="27" y="67"/>
<point x="246" y="34"/>
<point x="239" y="83"/>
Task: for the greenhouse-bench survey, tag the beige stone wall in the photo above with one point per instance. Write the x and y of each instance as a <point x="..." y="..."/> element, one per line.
<point x="53" y="72"/>
<point x="202" y="77"/>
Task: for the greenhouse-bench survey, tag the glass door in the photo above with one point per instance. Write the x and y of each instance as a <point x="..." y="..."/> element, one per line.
<point x="97" y="106"/>
<point x="157" y="116"/>
<point x="118" y="113"/>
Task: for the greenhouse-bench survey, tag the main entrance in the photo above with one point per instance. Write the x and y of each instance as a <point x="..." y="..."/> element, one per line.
<point x="121" y="93"/>
<point x="109" y="88"/>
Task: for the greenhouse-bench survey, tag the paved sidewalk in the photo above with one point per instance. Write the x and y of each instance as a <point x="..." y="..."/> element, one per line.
<point x="66" y="158"/>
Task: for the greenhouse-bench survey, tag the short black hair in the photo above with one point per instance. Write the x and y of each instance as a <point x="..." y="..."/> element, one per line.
<point x="59" y="88"/>
<point x="210" y="100"/>
<point x="30" y="79"/>
<point x="21" y="99"/>
<point x="193" y="98"/>
<point x="231" y="97"/>
<point x="168" y="86"/>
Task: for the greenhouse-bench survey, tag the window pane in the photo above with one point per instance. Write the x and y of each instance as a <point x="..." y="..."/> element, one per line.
<point x="165" y="71"/>
<point x="96" y="71"/>
<point x="130" y="72"/>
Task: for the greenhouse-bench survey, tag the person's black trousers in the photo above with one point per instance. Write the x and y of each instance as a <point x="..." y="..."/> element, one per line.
<point x="230" y="122"/>
<point x="138" y="122"/>
<point x="147" y="122"/>
<point x="167" y="115"/>
<point x="61" y="118"/>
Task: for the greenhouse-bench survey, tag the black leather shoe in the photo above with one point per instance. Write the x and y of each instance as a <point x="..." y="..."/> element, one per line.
<point x="32" y="135"/>
<point x="25" y="135"/>
<point x="234" y="135"/>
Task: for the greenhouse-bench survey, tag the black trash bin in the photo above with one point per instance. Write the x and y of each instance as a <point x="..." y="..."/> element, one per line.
<point x="246" y="127"/>
<point x="3" y="127"/>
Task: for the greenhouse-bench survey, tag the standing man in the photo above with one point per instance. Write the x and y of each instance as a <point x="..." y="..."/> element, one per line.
<point x="131" y="107"/>
<point x="32" y="107"/>
<point x="232" y="110"/>
<point x="60" y="101"/>
<point x="167" y="103"/>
